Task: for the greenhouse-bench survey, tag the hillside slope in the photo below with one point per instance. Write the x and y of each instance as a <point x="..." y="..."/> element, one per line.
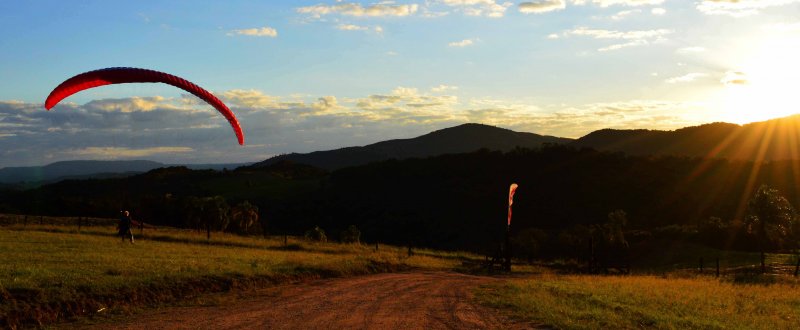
<point x="458" y="139"/>
<point x="777" y="139"/>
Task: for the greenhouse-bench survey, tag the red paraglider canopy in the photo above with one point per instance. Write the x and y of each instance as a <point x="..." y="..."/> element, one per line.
<point x="110" y="76"/>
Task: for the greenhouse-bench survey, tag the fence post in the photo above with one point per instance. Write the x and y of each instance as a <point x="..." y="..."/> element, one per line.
<point x="701" y="265"/>
<point x="25" y="222"/>
<point x="592" y="260"/>
<point x="79" y="223"/>
<point x="796" y="268"/>
<point x="376" y="246"/>
<point x="717" y="266"/>
<point x="285" y="240"/>
<point x="41" y="218"/>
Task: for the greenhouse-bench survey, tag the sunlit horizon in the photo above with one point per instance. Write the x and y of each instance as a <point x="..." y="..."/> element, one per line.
<point x="319" y="75"/>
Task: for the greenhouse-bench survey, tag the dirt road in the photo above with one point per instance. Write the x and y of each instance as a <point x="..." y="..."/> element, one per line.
<point x="433" y="300"/>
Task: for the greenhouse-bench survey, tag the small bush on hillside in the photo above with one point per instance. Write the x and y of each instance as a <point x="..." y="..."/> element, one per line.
<point x="316" y="234"/>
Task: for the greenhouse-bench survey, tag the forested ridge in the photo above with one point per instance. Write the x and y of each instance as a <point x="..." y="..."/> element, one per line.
<point x="452" y="201"/>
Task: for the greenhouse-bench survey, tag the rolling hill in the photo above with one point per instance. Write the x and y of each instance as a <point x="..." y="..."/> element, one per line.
<point x="776" y="139"/>
<point x="458" y="139"/>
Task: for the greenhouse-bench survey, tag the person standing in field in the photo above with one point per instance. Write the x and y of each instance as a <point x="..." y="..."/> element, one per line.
<point x="125" y="225"/>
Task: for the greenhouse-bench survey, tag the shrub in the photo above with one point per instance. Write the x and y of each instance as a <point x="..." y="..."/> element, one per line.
<point x="351" y="235"/>
<point x="316" y="234"/>
<point x="529" y="242"/>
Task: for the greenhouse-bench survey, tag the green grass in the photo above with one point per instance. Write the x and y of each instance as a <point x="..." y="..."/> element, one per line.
<point x="627" y="302"/>
<point x="52" y="270"/>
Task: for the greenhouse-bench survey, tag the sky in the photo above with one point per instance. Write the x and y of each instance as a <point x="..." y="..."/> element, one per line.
<point x="315" y="75"/>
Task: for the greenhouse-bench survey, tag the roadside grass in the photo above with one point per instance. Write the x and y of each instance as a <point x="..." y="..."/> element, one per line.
<point x="627" y="302"/>
<point x="50" y="273"/>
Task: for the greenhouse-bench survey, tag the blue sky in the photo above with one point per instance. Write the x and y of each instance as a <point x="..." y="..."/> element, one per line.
<point x="314" y="75"/>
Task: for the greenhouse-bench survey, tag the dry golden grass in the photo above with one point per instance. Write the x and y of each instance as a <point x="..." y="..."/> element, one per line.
<point x="626" y="302"/>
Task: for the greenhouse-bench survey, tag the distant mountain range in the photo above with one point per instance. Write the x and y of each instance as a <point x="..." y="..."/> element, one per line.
<point x="776" y="139"/>
<point x="458" y="139"/>
<point x="82" y="169"/>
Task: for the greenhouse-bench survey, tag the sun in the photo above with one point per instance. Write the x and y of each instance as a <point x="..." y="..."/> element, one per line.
<point x="764" y="86"/>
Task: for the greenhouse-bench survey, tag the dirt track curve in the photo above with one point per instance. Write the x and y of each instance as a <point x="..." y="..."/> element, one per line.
<point x="431" y="300"/>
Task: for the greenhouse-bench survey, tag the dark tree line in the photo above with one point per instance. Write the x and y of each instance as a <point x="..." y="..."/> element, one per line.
<point x="459" y="201"/>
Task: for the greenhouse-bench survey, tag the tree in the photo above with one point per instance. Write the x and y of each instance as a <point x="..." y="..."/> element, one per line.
<point x="528" y="243"/>
<point x="609" y="247"/>
<point x="244" y="216"/>
<point x="208" y="212"/>
<point x="215" y="214"/>
<point x="351" y="235"/>
<point x="316" y="234"/>
<point x="573" y="242"/>
<point x="192" y="209"/>
<point x="617" y="220"/>
<point x="712" y="231"/>
<point x="770" y="219"/>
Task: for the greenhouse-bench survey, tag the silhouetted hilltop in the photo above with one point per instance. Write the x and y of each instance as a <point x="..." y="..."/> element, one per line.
<point x="458" y="139"/>
<point x="769" y="140"/>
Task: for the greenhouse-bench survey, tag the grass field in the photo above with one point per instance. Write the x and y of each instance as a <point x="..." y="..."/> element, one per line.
<point x="628" y="302"/>
<point x="54" y="272"/>
<point x="49" y="272"/>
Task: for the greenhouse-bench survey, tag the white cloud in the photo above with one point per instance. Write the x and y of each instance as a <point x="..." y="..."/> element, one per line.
<point x="250" y="98"/>
<point x="124" y="152"/>
<point x="405" y="92"/>
<point x="541" y="6"/>
<point x="734" y="78"/>
<point x="553" y="36"/>
<point x="633" y="43"/>
<point x="739" y="8"/>
<point x="351" y="27"/>
<point x="462" y="43"/>
<point x="689" y="77"/>
<point x="607" y="3"/>
<point x="611" y="34"/>
<point x="783" y="27"/>
<point x="404" y="97"/>
<point x="426" y="13"/>
<point x="632" y="38"/>
<point x="625" y="13"/>
<point x="443" y="88"/>
<point x="488" y="8"/>
<point x="256" y="32"/>
<point x="355" y="9"/>
<point x="690" y="50"/>
<point x="658" y="11"/>
<point x="131" y="104"/>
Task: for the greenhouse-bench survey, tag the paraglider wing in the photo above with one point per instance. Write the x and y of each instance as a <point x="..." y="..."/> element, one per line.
<point x="110" y="76"/>
<point x="511" y="191"/>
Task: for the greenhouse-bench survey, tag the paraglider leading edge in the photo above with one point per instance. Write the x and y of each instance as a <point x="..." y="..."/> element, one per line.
<point x="122" y="75"/>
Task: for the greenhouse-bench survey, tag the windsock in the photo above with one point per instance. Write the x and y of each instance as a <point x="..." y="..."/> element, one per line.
<point x="511" y="191"/>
